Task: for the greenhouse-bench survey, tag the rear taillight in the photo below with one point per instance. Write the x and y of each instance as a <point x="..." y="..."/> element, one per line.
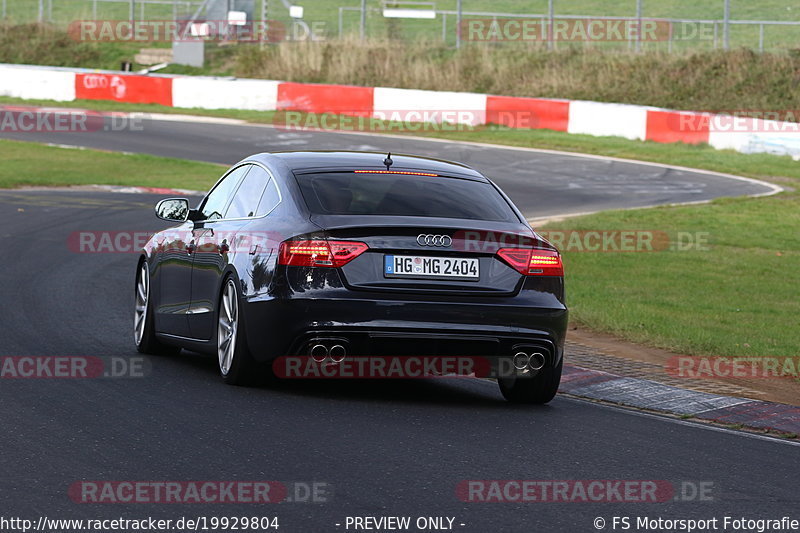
<point x="532" y="261"/>
<point x="319" y="253"/>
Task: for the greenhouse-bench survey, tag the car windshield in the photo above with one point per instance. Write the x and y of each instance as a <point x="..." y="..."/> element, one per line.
<point x="348" y="193"/>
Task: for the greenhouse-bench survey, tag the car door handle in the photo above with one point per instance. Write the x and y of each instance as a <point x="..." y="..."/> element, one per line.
<point x="191" y="247"/>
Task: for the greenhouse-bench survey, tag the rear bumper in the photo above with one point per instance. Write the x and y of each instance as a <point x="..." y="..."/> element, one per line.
<point x="491" y="327"/>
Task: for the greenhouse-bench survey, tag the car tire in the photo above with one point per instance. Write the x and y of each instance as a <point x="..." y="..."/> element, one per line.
<point x="538" y="389"/>
<point x="236" y="364"/>
<point x="144" y="331"/>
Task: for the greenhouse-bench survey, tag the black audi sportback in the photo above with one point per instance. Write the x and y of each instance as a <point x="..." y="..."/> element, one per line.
<point x="327" y="256"/>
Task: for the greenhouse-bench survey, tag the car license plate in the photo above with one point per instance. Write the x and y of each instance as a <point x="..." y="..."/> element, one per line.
<point x="423" y="267"/>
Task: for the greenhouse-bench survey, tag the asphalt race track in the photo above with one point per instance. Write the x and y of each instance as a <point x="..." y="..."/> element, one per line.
<point x="541" y="184"/>
<point x="379" y="448"/>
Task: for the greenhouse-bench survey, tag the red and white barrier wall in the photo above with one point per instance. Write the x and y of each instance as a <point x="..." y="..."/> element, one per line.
<point x="37" y="83"/>
<point x="406" y="105"/>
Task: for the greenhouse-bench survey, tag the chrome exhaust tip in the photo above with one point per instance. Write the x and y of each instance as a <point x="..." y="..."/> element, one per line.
<point x="319" y="352"/>
<point x="521" y="360"/>
<point x="537" y="361"/>
<point x="337" y="353"/>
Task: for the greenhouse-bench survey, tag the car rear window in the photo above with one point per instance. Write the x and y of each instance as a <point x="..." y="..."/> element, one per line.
<point x="348" y="193"/>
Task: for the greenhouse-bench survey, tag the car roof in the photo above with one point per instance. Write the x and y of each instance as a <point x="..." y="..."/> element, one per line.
<point x="329" y="160"/>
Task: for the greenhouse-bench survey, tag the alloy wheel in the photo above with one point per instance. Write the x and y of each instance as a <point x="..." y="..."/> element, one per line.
<point x="228" y="327"/>
<point x="142" y="299"/>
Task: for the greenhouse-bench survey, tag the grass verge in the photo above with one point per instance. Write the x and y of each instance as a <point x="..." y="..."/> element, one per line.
<point x="38" y="44"/>
<point x="32" y="164"/>
<point x="733" y="296"/>
<point x="699" y="81"/>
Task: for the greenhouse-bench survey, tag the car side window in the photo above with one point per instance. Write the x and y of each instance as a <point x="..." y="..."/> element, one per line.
<point x="270" y="199"/>
<point x="217" y="200"/>
<point x="245" y="200"/>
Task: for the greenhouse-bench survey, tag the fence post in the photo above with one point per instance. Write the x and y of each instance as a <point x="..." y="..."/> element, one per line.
<point x="639" y="31"/>
<point x="761" y="38"/>
<point x="363" y="19"/>
<point x="726" y="43"/>
<point x="444" y="28"/>
<point x="41" y="11"/>
<point x="264" y="37"/>
<point x="669" y="39"/>
<point x="458" y="24"/>
<point x="551" y="15"/>
<point x="94" y="9"/>
<point x="716" y="34"/>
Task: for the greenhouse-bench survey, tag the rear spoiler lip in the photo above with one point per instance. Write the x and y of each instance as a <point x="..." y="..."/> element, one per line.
<point x="331" y="222"/>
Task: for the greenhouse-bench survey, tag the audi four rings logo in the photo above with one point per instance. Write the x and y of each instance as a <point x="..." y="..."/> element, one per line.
<point x="434" y="240"/>
<point x="102" y="81"/>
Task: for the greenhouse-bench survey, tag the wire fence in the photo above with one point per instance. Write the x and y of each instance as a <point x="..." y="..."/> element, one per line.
<point x="637" y="25"/>
<point x="63" y="12"/>
<point x="665" y="25"/>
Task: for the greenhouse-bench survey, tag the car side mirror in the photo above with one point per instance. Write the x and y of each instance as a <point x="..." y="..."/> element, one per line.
<point x="173" y="209"/>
